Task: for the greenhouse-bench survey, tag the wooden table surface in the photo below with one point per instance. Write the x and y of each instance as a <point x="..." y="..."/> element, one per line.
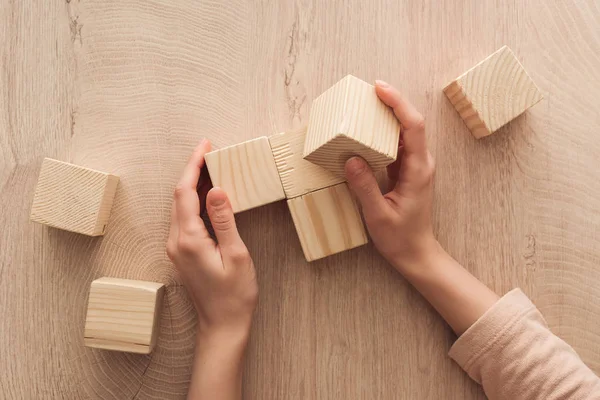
<point x="130" y="86"/>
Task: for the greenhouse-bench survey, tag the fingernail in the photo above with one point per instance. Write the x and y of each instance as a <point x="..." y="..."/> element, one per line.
<point x="356" y="165"/>
<point x="202" y="141"/>
<point x="382" y="84"/>
<point x="219" y="201"/>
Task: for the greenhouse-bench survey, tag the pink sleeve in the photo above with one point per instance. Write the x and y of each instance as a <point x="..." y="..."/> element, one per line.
<point x="511" y="352"/>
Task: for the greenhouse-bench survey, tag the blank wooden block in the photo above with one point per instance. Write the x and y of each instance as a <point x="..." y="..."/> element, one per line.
<point x="247" y="172"/>
<point x="123" y="315"/>
<point x="327" y="222"/>
<point x="492" y="93"/>
<point x="73" y="198"/>
<point x="349" y="119"/>
<point x="297" y="175"/>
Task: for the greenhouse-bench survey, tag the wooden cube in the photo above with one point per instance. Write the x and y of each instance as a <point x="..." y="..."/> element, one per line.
<point x="492" y="93"/>
<point x="247" y="172"/>
<point x="327" y="221"/>
<point x="297" y="175"/>
<point x="123" y="315"/>
<point x="73" y="198"/>
<point x="349" y="119"/>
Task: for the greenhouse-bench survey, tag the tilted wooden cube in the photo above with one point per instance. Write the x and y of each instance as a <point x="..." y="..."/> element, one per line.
<point x="347" y="120"/>
<point x="297" y="175"/>
<point x="327" y="222"/>
<point x="492" y="93"/>
<point x="123" y="315"/>
<point x="73" y="198"/>
<point x="247" y="172"/>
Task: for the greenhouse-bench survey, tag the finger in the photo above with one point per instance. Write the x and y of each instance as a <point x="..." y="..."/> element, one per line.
<point x="393" y="170"/>
<point x="173" y="232"/>
<point x="204" y="185"/>
<point x="412" y="121"/>
<point x="186" y="198"/>
<point x="222" y="219"/>
<point x="174" y="228"/>
<point x="363" y="183"/>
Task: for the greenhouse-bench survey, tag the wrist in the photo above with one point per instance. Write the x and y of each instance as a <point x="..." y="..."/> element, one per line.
<point x="223" y="337"/>
<point x="426" y="256"/>
<point x="218" y="363"/>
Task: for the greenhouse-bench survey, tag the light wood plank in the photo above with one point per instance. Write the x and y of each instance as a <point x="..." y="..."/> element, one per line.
<point x="349" y="119"/>
<point x="297" y="175"/>
<point x="123" y="315"/>
<point x="247" y="172"/>
<point x="73" y="198"/>
<point x="493" y="92"/>
<point x="327" y="222"/>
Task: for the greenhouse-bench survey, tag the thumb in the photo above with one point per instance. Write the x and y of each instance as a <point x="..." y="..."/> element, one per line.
<point x="363" y="183"/>
<point x="222" y="219"/>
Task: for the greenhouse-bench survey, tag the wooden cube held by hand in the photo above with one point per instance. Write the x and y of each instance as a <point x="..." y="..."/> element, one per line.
<point x="347" y="120"/>
<point x="327" y="222"/>
<point x="73" y="198"/>
<point x="247" y="172"/>
<point x="492" y="93"/>
<point x="123" y="315"/>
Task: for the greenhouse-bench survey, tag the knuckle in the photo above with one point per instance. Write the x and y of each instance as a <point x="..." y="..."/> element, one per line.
<point x="171" y="250"/>
<point x="430" y="167"/>
<point x="420" y="123"/>
<point x="189" y="230"/>
<point x="221" y="220"/>
<point x="367" y="186"/>
<point x="238" y="254"/>
<point x="179" y="191"/>
<point x="186" y="245"/>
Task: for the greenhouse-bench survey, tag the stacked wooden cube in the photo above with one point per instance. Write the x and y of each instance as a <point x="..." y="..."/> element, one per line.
<point x="306" y="166"/>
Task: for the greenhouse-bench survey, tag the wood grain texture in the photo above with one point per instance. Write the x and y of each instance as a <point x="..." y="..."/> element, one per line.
<point x="73" y="198"/>
<point x="123" y="315"/>
<point x="247" y="172"/>
<point x="297" y="175"/>
<point x="493" y="92"/>
<point x="349" y="119"/>
<point x="327" y="222"/>
<point x="131" y="86"/>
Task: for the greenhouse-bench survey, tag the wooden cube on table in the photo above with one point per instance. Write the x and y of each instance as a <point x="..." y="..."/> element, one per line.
<point x="297" y="175"/>
<point x="492" y="93"/>
<point x="73" y="198"/>
<point x="327" y="221"/>
<point x="347" y="120"/>
<point x="123" y="315"/>
<point x="247" y="172"/>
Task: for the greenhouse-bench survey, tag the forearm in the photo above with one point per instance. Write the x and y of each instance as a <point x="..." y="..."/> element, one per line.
<point x="459" y="297"/>
<point x="504" y="344"/>
<point x="218" y="365"/>
<point x="511" y="352"/>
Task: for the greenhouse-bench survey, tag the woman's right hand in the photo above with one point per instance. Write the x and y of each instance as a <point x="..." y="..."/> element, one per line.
<point x="399" y="221"/>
